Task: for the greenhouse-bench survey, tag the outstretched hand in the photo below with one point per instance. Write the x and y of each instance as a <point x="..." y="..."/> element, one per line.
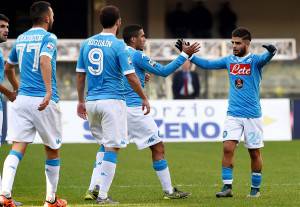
<point x="179" y="44"/>
<point x="271" y="48"/>
<point x="190" y="50"/>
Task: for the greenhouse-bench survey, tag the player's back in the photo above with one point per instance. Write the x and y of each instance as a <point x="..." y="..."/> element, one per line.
<point x="26" y="52"/>
<point x="100" y="59"/>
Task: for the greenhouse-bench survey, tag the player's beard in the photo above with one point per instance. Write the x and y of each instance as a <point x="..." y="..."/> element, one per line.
<point x="241" y="52"/>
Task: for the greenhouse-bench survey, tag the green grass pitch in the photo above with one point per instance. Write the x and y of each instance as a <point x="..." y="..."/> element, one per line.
<point x="195" y="167"/>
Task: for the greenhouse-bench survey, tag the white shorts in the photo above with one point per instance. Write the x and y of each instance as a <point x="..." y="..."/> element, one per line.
<point x="27" y="119"/>
<point x="108" y="122"/>
<point x="142" y="129"/>
<point x="252" y="128"/>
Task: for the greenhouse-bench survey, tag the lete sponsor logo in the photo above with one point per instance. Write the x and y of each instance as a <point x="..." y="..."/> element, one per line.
<point x="240" y="69"/>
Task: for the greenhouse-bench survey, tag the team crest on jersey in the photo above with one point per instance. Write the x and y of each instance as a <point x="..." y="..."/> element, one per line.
<point x="240" y="69"/>
<point x="152" y="62"/>
<point x="129" y="60"/>
<point x="249" y="60"/>
<point x="50" y="46"/>
<point x="239" y="83"/>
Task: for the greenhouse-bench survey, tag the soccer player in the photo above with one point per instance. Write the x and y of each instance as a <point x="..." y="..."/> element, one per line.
<point x="104" y="60"/>
<point x="142" y="129"/>
<point x="244" y="110"/>
<point x="36" y="106"/>
<point x="11" y="95"/>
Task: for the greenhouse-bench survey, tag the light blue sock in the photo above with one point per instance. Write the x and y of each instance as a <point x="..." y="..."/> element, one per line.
<point x="256" y="179"/>
<point x="227" y="175"/>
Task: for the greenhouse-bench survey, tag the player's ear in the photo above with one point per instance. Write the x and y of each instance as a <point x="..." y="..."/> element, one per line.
<point x="47" y="19"/>
<point x="247" y="42"/>
<point x="132" y="39"/>
<point x="119" y="22"/>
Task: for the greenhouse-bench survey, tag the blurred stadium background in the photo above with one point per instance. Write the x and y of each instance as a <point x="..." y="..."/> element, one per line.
<point x="196" y="120"/>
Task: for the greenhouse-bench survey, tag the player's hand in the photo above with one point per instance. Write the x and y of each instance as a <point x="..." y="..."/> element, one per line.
<point x="146" y="105"/>
<point x="45" y="102"/>
<point x="12" y="96"/>
<point x="147" y="77"/>
<point x="190" y="50"/>
<point x="271" y="48"/>
<point x="180" y="43"/>
<point x="81" y="110"/>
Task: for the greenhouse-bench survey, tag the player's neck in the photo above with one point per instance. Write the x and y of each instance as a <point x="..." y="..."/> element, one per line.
<point x="44" y="26"/>
<point x="110" y="30"/>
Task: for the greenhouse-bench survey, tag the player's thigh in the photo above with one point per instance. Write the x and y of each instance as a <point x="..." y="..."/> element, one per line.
<point x="142" y="129"/>
<point x="94" y="120"/>
<point x="253" y="133"/>
<point x="233" y="128"/>
<point x="21" y="120"/>
<point x="114" y="124"/>
<point x="48" y="123"/>
<point x="111" y="129"/>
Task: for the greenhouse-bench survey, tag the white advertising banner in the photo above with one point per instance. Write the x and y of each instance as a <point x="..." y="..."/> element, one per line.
<point x="184" y="120"/>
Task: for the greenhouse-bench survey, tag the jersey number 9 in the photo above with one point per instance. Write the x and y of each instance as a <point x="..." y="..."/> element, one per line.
<point x="96" y="58"/>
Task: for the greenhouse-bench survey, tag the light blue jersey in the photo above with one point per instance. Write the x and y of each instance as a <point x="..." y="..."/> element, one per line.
<point x="142" y="63"/>
<point x="245" y="74"/>
<point x="26" y="52"/>
<point x="105" y="60"/>
<point x="1" y="78"/>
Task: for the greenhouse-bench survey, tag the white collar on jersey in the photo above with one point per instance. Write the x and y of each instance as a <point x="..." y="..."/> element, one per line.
<point x="37" y="28"/>
<point x="240" y="59"/>
<point x="106" y="33"/>
<point x="130" y="47"/>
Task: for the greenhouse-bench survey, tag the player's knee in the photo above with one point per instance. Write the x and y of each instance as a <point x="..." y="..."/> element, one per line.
<point x="228" y="150"/>
<point x="254" y="154"/>
<point x="158" y="150"/>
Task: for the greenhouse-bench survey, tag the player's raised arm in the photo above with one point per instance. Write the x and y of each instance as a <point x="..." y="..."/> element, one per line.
<point x="156" y="68"/>
<point x="201" y="62"/>
<point x="268" y="55"/>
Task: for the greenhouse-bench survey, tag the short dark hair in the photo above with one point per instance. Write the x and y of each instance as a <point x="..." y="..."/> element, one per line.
<point x="242" y="32"/>
<point x="131" y="31"/>
<point x="38" y="10"/>
<point x="109" y="16"/>
<point x="4" y="18"/>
